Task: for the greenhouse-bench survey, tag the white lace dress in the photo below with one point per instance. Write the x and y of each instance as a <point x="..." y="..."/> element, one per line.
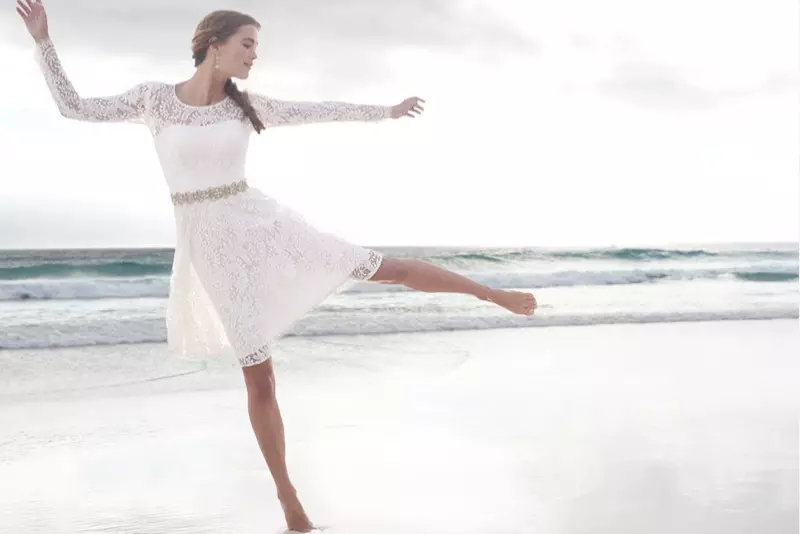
<point x="245" y="267"/>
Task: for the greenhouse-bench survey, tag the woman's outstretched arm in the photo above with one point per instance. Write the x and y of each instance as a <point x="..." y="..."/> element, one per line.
<point x="276" y="112"/>
<point x="122" y="107"/>
<point x="125" y="106"/>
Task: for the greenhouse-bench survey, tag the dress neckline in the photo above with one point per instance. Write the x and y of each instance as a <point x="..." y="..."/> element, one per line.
<point x="207" y="106"/>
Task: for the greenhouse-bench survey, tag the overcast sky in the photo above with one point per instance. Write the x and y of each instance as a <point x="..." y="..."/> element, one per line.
<point x="565" y="123"/>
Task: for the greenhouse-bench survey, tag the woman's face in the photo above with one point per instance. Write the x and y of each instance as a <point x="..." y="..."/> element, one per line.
<point x="238" y="52"/>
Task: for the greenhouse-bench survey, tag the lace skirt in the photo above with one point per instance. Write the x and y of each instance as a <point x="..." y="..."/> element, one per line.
<point x="245" y="269"/>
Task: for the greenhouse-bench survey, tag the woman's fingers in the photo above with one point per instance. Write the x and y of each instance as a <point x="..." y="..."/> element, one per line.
<point x="23" y="9"/>
<point x="30" y="7"/>
<point x="410" y="107"/>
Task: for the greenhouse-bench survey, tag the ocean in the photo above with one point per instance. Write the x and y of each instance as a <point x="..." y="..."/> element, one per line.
<point x="72" y="298"/>
<point x="649" y="394"/>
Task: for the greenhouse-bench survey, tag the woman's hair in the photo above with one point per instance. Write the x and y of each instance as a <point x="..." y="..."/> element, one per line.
<point x="218" y="26"/>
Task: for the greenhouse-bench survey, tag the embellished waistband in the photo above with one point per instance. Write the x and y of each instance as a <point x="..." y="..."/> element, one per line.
<point x="212" y="193"/>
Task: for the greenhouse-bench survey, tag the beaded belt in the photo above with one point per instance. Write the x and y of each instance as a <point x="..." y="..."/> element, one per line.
<point x="212" y="193"/>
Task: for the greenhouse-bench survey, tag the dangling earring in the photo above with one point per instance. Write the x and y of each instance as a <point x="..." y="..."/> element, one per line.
<point x="216" y="61"/>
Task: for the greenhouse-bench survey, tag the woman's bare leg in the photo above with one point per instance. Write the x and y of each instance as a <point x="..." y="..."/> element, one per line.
<point x="265" y="417"/>
<point x="424" y="276"/>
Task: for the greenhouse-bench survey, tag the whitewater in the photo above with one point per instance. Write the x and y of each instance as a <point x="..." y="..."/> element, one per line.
<point x="61" y="298"/>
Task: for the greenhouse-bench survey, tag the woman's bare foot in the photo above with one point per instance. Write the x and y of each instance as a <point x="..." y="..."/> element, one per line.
<point x="514" y="301"/>
<point x="296" y="518"/>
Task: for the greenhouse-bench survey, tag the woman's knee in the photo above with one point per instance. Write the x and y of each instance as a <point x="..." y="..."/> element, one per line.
<point x="392" y="270"/>
<point x="260" y="381"/>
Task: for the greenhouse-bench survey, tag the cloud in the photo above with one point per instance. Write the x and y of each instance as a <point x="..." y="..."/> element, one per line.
<point x="654" y="85"/>
<point x="633" y="55"/>
<point x="334" y="35"/>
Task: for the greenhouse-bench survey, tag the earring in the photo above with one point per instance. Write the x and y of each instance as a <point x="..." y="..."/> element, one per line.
<point x="216" y="61"/>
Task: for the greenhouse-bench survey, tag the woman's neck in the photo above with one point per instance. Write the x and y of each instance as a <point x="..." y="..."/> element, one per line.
<point x="204" y="88"/>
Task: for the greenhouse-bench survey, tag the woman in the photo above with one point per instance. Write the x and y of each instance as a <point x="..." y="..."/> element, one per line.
<point x="245" y="267"/>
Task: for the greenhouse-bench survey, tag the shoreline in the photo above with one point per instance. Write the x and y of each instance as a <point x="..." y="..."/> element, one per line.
<point x="145" y="368"/>
<point x="552" y="324"/>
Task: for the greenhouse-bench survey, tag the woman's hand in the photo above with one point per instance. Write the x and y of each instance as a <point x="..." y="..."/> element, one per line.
<point x="410" y="107"/>
<point x="35" y="18"/>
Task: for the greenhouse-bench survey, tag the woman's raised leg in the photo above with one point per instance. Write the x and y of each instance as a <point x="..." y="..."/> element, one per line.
<point x="425" y="276"/>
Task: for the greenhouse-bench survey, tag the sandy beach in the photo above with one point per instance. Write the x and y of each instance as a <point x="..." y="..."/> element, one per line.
<point x="661" y="428"/>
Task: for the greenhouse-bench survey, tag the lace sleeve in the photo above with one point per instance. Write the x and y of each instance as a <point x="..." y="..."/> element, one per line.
<point x="127" y="106"/>
<point x="283" y="112"/>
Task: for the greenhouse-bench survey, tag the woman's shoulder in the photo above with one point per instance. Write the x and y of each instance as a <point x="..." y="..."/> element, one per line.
<point x="155" y="91"/>
<point x="155" y="85"/>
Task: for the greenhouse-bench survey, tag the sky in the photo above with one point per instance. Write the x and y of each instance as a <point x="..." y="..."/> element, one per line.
<point x="570" y="123"/>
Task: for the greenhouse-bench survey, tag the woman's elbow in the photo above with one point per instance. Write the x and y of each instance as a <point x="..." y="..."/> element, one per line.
<point x="71" y="112"/>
